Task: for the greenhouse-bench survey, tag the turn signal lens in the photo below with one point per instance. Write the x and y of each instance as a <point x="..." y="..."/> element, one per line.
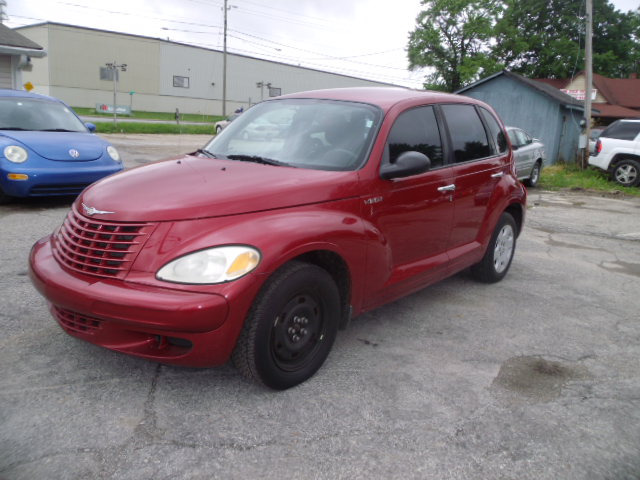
<point x="17" y="176"/>
<point x="245" y="262"/>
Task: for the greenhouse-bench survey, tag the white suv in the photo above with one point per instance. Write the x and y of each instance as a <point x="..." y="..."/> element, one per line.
<point x="618" y="152"/>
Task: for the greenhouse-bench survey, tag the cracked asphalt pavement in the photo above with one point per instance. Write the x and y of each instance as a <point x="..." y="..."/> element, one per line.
<point x="536" y="377"/>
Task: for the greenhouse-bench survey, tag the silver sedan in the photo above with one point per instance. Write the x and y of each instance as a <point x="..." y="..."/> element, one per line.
<point x="528" y="154"/>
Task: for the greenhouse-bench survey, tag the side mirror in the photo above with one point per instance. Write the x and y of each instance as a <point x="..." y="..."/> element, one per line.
<point x="406" y="165"/>
<point x="91" y="127"/>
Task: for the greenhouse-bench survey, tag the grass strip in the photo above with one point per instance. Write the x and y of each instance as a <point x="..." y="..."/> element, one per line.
<point x="167" y="116"/>
<point x="124" y="127"/>
<point x="569" y="176"/>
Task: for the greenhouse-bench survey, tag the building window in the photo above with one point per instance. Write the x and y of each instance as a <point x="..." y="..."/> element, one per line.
<point x="182" y="82"/>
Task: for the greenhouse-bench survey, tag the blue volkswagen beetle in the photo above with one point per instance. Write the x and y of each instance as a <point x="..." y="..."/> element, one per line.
<point x="45" y="149"/>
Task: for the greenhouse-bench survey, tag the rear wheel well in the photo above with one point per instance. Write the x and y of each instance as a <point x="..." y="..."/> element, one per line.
<point x="515" y="210"/>
<point x="335" y="265"/>
<point x="620" y="157"/>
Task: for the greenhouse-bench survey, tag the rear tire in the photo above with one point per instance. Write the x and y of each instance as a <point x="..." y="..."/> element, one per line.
<point x="497" y="259"/>
<point x="291" y="327"/>
<point x="534" y="176"/>
<point x="627" y="173"/>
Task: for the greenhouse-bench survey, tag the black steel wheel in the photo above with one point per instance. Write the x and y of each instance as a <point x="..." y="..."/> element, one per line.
<point x="291" y="327"/>
<point x="497" y="259"/>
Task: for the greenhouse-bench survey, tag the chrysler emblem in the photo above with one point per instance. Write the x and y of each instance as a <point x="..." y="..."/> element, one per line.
<point x="74" y="153"/>
<point x="93" y="211"/>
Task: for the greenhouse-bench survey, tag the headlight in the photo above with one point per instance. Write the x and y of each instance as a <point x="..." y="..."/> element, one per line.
<point x="113" y="153"/>
<point x="15" y="154"/>
<point x="213" y="265"/>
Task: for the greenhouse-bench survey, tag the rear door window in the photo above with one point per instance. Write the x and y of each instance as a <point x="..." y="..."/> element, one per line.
<point x="622" y="130"/>
<point x="468" y="136"/>
<point x="497" y="134"/>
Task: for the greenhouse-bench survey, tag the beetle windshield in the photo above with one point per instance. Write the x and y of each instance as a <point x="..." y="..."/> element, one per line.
<point x="35" y="114"/>
<point x="304" y="133"/>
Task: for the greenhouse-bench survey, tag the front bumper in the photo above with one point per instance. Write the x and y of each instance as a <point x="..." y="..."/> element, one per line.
<point x="162" y="324"/>
<point x="65" y="178"/>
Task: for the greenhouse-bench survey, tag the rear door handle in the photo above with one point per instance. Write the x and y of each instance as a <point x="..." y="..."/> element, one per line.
<point x="447" y="188"/>
<point x="497" y="175"/>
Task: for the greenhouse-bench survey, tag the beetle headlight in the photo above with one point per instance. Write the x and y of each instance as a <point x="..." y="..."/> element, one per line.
<point x="15" y="154"/>
<point x="113" y="153"/>
<point x="213" y="265"/>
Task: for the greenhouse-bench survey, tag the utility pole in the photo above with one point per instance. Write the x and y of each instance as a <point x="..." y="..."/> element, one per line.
<point x="588" y="67"/>
<point x="224" y="64"/>
<point x="3" y="5"/>
<point x="226" y="8"/>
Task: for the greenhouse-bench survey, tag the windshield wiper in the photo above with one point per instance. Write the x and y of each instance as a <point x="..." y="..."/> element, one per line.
<point x="57" y="130"/>
<point x="258" y="159"/>
<point x="206" y="153"/>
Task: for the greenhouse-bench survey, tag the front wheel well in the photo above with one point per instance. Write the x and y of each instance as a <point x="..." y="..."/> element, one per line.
<point x="335" y="265"/>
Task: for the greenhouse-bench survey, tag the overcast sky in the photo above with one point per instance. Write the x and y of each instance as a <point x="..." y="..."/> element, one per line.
<point x="361" y="38"/>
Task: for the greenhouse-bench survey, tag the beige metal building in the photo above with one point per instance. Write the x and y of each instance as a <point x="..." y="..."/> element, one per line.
<point x="164" y="75"/>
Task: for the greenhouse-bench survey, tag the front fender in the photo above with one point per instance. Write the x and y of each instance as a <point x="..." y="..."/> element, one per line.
<point x="280" y="235"/>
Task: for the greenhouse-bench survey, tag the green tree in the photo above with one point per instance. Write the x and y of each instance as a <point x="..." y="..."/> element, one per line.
<point x="452" y="37"/>
<point x="545" y="38"/>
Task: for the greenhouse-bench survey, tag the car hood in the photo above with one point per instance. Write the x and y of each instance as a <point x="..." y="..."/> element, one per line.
<point x="192" y="187"/>
<point x="56" y="145"/>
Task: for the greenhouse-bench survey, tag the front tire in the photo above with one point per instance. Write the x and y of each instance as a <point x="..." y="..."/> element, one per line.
<point x="627" y="173"/>
<point x="4" y="198"/>
<point x="497" y="259"/>
<point x="291" y="327"/>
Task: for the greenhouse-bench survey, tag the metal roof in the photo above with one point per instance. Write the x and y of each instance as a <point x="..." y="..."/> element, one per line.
<point x="545" y="89"/>
<point x="11" y="38"/>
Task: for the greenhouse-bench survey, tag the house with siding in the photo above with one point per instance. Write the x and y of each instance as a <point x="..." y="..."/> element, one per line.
<point x="540" y="109"/>
<point x="16" y="52"/>
<point x="613" y="98"/>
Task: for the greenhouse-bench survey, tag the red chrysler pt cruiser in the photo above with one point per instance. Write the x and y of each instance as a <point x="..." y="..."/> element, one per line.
<point x="307" y="210"/>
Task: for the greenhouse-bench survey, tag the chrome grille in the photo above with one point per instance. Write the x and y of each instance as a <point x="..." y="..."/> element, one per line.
<point x="97" y="247"/>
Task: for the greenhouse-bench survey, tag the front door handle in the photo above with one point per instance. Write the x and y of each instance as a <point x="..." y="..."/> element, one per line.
<point x="447" y="188"/>
<point x="497" y="175"/>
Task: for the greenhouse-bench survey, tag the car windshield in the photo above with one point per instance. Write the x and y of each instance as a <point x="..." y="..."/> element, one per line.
<point x="36" y="114"/>
<point x="303" y="133"/>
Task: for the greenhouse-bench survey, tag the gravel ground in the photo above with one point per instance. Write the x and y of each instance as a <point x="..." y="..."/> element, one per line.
<point x="533" y="378"/>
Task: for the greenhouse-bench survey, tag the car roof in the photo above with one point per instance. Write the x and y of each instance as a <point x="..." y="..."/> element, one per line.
<point x="383" y="97"/>
<point x="5" y="92"/>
